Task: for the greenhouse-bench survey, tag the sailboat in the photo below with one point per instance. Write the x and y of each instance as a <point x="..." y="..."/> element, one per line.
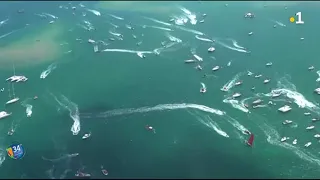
<point x="250" y="140"/>
<point x="15" y="99"/>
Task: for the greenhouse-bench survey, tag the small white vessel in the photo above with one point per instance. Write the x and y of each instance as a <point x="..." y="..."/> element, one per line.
<point x="302" y="38"/>
<point x="51" y="22"/>
<point x="4" y="114"/>
<point x="284" y="139"/>
<point x="211" y="49"/>
<point x="310" y="68"/>
<point x="250" y="73"/>
<point x="317" y="90"/>
<point x="199" y="67"/>
<point x="266" y="81"/>
<point x="294" y="141"/>
<point x="269" y="64"/>
<point x="308" y="144"/>
<point x="229" y="63"/>
<point x="317" y="136"/>
<point x="249" y="15"/>
<point x="235" y="95"/>
<point x="140" y="54"/>
<point x="250" y="33"/>
<point x="307" y="114"/>
<point x="197" y="57"/>
<point x="203" y="89"/>
<point x="95" y="48"/>
<point x="274" y="95"/>
<point x="286" y="122"/>
<point x="238" y="83"/>
<point x="314" y="119"/>
<point x="258" y="101"/>
<point x="215" y="68"/>
<point x="190" y="61"/>
<point x="13" y="100"/>
<point x="202" y="21"/>
<point x="204" y="15"/>
<point x="86" y="136"/>
<point x="310" y="127"/>
<point x="91" y="41"/>
<point x="258" y="76"/>
<point x="285" y="108"/>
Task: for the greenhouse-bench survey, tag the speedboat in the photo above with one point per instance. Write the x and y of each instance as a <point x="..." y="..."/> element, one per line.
<point x="285" y="108"/>
<point x="225" y="89"/>
<point x="314" y="119"/>
<point x="140" y="54"/>
<point x="215" y="68"/>
<point x="310" y="68"/>
<point x="235" y="95"/>
<point x="253" y="88"/>
<point x="249" y="15"/>
<point x="95" y="48"/>
<point x="274" y="26"/>
<point x="250" y="33"/>
<point x="284" y="139"/>
<point x="238" y="83"/>
<point x="250" y="73"/>
<point x="317" y="90"/>
<point x="13" y="100"/>
<point x="199" y="67"/>
<point x="86" y="136"/>
<point x="190" y="61"/>
<point x="302" y="38"/>
<point x="286" y="122"/>
<point x="10" y="132"/>
<point x="307" y="113"/>
<point x="294" y="141"/>
<point x="204" y="15"/>
<point x="2" y="89"/>
<point x="202" y="21"/>
<point x="310" y="127"/>
<point x="4" y="114"/>
<point x="81" y="174"/>
<point x="317" y="136"/>
<point x="266" y="81"/>
<point x="197" y="57"/>
<point x="308" y="144"/>
<point x="274" y="95"/>
<point x="51" y="22"/>
<point x="104" y="172"/>
<point x="269" y="64"/>
<point x="91" y="41"/>
<point x="112" y="39"/>
<point x="211" y="49"/>
<point x="258" y="101"/>
<point x="203" y="90"/>
<point x="258" y="76"/>
<point x="171" y="20"/>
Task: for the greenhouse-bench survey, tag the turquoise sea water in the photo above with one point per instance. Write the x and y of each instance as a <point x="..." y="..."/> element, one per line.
<point x="114" y="95"/>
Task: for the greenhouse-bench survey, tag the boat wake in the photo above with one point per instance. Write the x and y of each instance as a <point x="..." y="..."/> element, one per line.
<point x="279" y="23"/>
<point x="46" y="72"/>
<point x="9" y="33"/>
<point x="235" y="44"/>
<point x="230" y="84"/>
<point x="95" y="12"/>
<point x="192" y="17"/>
<point x="161" y="28"/>
<point x="236" y="104"/>
<point x="158" y="21"/>
<point x="173" y="39"/>
<point x="116" y="17"/>
<point x="64" y="157"/>
<point x="127" y="51"/>
<point x="190" y="30"/>
<point x="232" y="48"/>
<point x="73" y="110"/>
<point x="208" y="122"/>
<point x="203" y="39"/>
<point x="318" y="79"/>
<point x="28" y="108"/>
<point x="3" y="22"/>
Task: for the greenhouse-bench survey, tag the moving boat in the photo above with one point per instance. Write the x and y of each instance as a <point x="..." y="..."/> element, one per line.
<point x="308" y="144"/>
<point x="211" y="49"/>
<point x="310" y="127"/>
<point x="91" y="41"/>
<point x="238" y="83"/>
<point x="4" y="114"/>
<point x="258" y="101"/>
<point x="269" y="64"/>
<point x="294" y="141"/>
<point x="266" y="81"/>
<point x="285" y="108"/>
<point x="235" y="95"/>
<point x="250" y="33"/>
<point x="104" y="171"/>
<point x="315" y="119"/>
<point x="215" y="68"/>
<point x="250" y="73"/>
<point x="284" y="139"/>
<point x="274" y="95"/>
<point x="86" y="136"/>
<point x="249" y="15"/>
<point x="317" y="136"/>
<point x="140" y="54"/>
<point x="286" y="122"/>
<point x="310" y="68"/>
<point x="250" y="140"/>
<point x="190" y="61"/>
<point x="202" y="21"/>
<point x="317" y="90"/>
<point x="15" y="99"/>
<point x="199" y="67"/>
<point x="203" y="89"/>
<point x="307" y="113"/>
<point x="258" y="76"/>
<point x="95" y="48"/>
<point x="197" y="57"/>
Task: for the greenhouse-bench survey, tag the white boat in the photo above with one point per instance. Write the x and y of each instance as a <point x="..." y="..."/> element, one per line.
<point x="4" y="114"/>
<point x="269" y="64"/>
<point x="307" y="114"/>
<point x="229" y="63"/>
<point x="284" y="139"/>
<point x="301" y="38"/>
<point x="235" y="95"/>
<point x="95" y="48"/>
<point x="199" y="67"/>
<point x="249" y="15"/>
<point x="317" y="136"/>
<point x="286" y="122"/>
<point x="203" y="90"/>
<point x="140" y="54"/>
<point x="310" y="68"/>
<point x="308" y="144"/>
<point x="250" y="73"/>
<point x="266" y="81"/>
<point x="258" y="76"/>
<point x="285" y="108"/>
<point x="202" y="21"/>
<point x="215" y="68"/>
<point x="253" y="88"/>
<point x="112" y="39"/>
<point x="204" y="15"/>
<point x="250" y="33"/>
<point x="91" y="41"/>
<point x="51" y="22"/>
<point x="211" y="49"/>
<point x="274" y="95"/>
<point x="13" y="100"/>
<point x="190" y="61"/>
<point x="310" y="127"/>
<point x="86" y="136"/>
<point x="258" y="101"/>
<point x="238" y="83"/>
<point x="314" y="119"/>
<point x="317" y="90"/>
<point x="197" y="57"/>
<point x="294" y="141"/>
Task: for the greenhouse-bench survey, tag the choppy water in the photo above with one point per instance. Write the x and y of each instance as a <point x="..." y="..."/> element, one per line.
<point x="115" y="94"/>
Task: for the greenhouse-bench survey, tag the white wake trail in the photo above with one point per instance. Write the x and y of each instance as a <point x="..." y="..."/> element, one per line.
<point x="235" y="44"/>
<point x="203" y="39"/>
<point x="161" y="28"/>
<point x="95" y="12"/>
<point x="127" y="51"/>
<point x="49" y="69"/>
<point x="232" y="48"/>
<point x="116" y="17"/>
<point x="232" y="82"/>
<point x="158" y="21"/>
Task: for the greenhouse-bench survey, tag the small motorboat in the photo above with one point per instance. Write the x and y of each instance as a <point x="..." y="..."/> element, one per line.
<point x="310" y="68"/>
<point x="266" y="81"/>
<point x="285" y="108"/>
<point x="284" y="139"/>
<point x="286" y="122"/>
<point x="10" y="132"/>
<point x="235" y="95"/>
<point x="171" y="20"/>
<point x="274" y="95"/>
<point x="269" y="64"/>
<point x="246" y="105"/>
<point x="302" y="38"/>
<point x="294" y="141"/>
<point x="247" y="132"/>
<point x="86" y="136"/>
<point x="308" y="144"/>
<point x="250" y="73"/>
<point x="274" y="26"/>
<point x="199" y="67"/>
<point x="190" y="61"/>
<point x="249" y="15"/>
<point x="225" y="89"/>
<point x="104" y="172"/>
<point x="310" y="127"/>
<point x="315" y="119"/>
<point x="211" y="49"/>
<point x="81" y="174"/>
<point x="250" y="33"/>
<point x="307" y="114"/>
<point x="258" y="101"/>
<point x="317" y="136"/>
<point x="2" y="89"/>
<point x="203" y="90"/>
<point x="253" y="88"/>
<point x="317" y="90"/>
<point x="258" y="76"/>
<point x="202" y="21"/>
<point x="238" y="83"/>
<point x="140" y="54"/>
<point x="215" y="68"/>
<point x="35" y="97"/>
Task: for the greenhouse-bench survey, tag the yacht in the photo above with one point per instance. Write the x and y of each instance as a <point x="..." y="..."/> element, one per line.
<point x="269" y="64"/>
<point x="235" y="95"/>
<point x="285" y="108"/>
<point x="211" y="49"/>
<point x="250" y="33"/>
<point x="258" y="101"/>
<point x="310" y="68"/>
<point x="308" y="144"/>
<point x="197" y="57"/>
<point x="13" y="100"/>
<point x="310" y="127"/>
<point x="266" y="81"/>
<point x="86" y="136"/>
<point x="284" y="139"/>
<point x="215" y="68"/>
<point x="294" y="141"/>
<point x="4" y="114"/>
<point x="286" y="122"/>
<point x="190" y="61"/>
<point x="307" y="114"/>
<point x="238" y="83"/>
<point x="258" y="76"/>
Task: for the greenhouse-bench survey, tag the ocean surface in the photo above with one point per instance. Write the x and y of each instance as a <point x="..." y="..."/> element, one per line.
<point x="114" y="94"/>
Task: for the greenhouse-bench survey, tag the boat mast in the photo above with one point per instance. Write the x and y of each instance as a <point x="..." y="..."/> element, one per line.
<point x="13" y="91"/>
<point x="14" y="70"/>
<point x="9" y="91"/>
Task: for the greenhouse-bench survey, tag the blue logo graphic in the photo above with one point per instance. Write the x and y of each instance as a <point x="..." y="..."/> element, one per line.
<point x="15" y="151"/>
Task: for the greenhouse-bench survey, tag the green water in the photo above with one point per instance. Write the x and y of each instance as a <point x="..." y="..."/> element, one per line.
<point x="182" y="146"/>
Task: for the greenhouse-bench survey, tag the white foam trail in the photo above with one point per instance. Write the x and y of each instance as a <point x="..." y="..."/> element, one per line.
<point x="74" y="112"/>
<point x="115" y="34"/>
<point x="191" y="16"/>
<point x="235" y="124"/>
<point x="207" y="121"/>
<point x="235" y="44"/>
<point x="95" y="12"/>
<point x="66" y="156"/>
<point x="279" y="23"/>
<point x="204" y="39"/>
<point x="28" y="108"/>
<point x="190" y="30"/>
<point x="232" y="82"/>
<point x="47" y="14"/>
<point x="181" y="20"/>
<point x="173" y="39"/>
<point x="318" y="79"/>
<point x="157" y="21"/>
<point x="115" y="26"/>
<point x="3" y="155"/>
<point x="232" y="48"/>
<point x="127" y="51"/>
<point x="236" y="104"/>
<point x="161" y="28"/>
<point x="4" y="22"/>
<point x="160" y="107"/>
<point x="116" y="17"/>
<point x="49" y="69"/>
<point x="203" y="86"/>
<point x="7" y="34"/>
<point x="229" y="63"/>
